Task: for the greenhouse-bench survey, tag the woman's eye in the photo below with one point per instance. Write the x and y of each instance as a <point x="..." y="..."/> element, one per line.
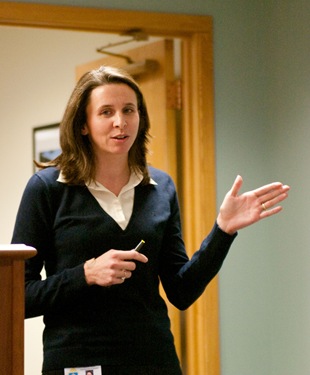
<point x="129" y="110"/>
<point x="106" y="112"/>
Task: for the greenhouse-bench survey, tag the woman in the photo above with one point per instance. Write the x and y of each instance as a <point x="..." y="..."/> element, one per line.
<point x="86" y="211"/>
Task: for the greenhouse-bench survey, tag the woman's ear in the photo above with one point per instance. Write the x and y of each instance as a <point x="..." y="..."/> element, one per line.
<point x="84" y="130"/>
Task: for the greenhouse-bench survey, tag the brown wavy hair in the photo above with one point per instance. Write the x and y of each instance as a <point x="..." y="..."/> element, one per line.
<point x="77" y="160"/>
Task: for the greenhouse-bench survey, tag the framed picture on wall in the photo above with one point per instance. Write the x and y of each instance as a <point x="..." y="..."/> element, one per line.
<point x="46" y="143"/>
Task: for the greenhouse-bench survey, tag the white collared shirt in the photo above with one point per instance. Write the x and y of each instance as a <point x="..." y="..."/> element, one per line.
<point x="118" y="207"/>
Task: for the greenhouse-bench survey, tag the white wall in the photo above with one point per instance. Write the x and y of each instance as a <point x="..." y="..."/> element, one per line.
<point x="262" y="88"/>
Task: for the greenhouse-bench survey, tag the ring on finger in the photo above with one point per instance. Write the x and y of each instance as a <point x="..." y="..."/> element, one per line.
<point x="264" y="207"/>
<point x="124" y="277"/>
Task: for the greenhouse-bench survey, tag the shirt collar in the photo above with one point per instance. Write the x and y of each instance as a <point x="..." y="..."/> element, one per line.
<point x="134" y="180"/>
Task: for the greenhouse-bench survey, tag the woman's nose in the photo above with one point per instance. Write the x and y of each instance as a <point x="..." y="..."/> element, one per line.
<point x="119" y="121"/>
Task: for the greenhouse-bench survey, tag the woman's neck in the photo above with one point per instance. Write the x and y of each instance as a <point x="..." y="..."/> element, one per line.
<point x="113" y="174"/>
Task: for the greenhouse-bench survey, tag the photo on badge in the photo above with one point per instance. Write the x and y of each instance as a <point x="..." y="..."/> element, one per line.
<point x="93" y="370"/>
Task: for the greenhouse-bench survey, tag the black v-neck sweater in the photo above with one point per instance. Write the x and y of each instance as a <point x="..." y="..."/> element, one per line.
<point x="124" y="324"/>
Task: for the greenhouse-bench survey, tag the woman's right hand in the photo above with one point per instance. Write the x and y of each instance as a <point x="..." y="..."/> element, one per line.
<point x="112" y="267"/>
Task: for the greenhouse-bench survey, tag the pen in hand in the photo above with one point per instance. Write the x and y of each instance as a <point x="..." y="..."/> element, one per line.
<point x="139" y="246"/>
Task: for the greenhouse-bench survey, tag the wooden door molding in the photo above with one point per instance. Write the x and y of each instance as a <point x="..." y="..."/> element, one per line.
<point x="199" y="204"/>
<point x="197" y="136"/>
<point x="102" y="20"/>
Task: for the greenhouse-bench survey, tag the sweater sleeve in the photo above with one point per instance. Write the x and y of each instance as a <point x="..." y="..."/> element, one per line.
<point x="184" y="279"/>
<point x="34" y="227"/>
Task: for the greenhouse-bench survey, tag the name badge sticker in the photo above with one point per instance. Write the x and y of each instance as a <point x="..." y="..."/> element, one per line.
<point x="93" y="370"/>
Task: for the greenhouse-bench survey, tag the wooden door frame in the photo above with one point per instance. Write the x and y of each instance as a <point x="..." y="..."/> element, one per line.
<point x="197" y="135"/>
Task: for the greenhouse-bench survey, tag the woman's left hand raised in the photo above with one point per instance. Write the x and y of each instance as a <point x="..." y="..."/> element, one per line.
<point x="240" y="211"/>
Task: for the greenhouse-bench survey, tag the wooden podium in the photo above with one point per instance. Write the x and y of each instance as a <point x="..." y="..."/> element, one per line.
<point x="12" y="307"/>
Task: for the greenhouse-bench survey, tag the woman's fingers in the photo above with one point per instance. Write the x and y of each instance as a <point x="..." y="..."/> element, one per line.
<point x="270" y="200"/>
<point x="115" y="266"/>
<point x="133" y="255"/>
<point x="236" y="186"/>
<point x="241" y="210"/>
<point x="272" y="189"/>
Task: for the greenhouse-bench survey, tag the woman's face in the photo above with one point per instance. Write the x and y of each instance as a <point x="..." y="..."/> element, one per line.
<point x="112" y="119"/>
